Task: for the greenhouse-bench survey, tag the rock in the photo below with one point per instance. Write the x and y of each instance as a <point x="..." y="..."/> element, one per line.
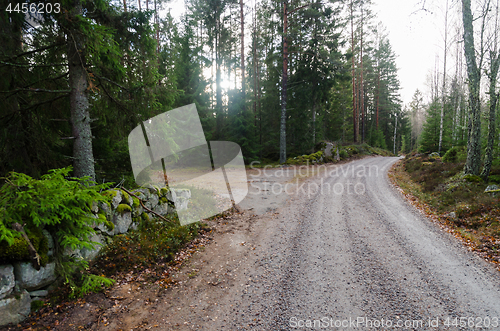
<point x="122" y="222"/>
<point x="162" y="209"/>
<point x="105" y="208"/>
<point x="95" y="207"/>
<point x="492" y="189"/>
<point x="337" y="156"/>
<point x="452" y="215"/>
<point x="50" y="240"/>
<point x="171" y="195"/>
<point x="7" y="280"/>
<point x="183" y="193"/>
<point x="328" y="149"/>
<point x="15" y="308"/>
<point x="434" y="154"/>
<point x="115" y="201"/>
<point x="39" y="293"/>
<point x="31" y="279"/>
<point x="152" y="202"/>
<point x="142" y="193"/>
<point x="90" y="254"/>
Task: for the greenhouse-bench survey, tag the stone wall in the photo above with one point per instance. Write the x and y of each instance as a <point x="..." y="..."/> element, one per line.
<point x="20" y="283"/>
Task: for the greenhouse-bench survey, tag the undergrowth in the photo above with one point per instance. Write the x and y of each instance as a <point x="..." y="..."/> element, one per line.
<point x="154" y="242"/>
<point x="459" y="201"/>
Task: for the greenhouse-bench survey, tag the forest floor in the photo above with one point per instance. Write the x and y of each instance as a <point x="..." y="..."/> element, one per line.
<point x="298" y="254"/>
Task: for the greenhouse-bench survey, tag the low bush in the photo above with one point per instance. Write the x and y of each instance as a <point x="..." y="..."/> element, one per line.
<point x="59" y="205"/>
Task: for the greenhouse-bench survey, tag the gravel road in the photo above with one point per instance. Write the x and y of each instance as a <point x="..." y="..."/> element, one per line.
<point x="343" y="251"/>
<point x="354" y="254"/>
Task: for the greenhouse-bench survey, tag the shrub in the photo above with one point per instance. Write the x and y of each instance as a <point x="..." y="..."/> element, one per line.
<point x="451" y="155"/>
<point x="61" y="206"/>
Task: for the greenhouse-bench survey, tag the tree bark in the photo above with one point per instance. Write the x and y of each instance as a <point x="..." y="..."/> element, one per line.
<point x="443" y="90"/>
<point x="488" y="158"/>
<point x="242" y="18"/>
<point x="284" y="81"/>
<point x="83" y="158"/>
<point x="361" y="87"/>
<point x="354" y="111"/>
<point x="472" y="162"/>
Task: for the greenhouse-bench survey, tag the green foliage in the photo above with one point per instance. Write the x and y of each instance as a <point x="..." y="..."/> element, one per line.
<point x="91" y="283"/>
<point x="451" y="155"/>
<point x="61" y="206"/>
<point x="494" y="179"/>
<point x="343" y="154"/>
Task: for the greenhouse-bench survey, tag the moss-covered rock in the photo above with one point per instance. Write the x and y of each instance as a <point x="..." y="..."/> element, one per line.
<point x="135" y="202"/>
<point x="473" y="179"/>
<point x="123" y="208"/>
<point x="145" y="217"/>
<point x="125" y="197"/>
<point x="164" y="191"/>
<point x="19" y="250"/>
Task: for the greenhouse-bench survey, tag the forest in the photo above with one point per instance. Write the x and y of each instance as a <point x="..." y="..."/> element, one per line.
<point x="276" y="77"/>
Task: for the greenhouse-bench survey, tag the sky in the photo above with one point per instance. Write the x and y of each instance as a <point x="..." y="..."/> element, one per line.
<point x="417" y="38"/>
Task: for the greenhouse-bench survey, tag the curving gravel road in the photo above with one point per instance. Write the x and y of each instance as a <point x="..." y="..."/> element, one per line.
<point x="346" y="252"/>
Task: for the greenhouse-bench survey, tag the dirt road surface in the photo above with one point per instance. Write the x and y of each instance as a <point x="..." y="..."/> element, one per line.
<point x="340" y="250"/>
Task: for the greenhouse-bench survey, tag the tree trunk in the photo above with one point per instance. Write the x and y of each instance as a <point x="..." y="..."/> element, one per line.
<point x="242" y="18"/>
<point x="284" y="85"/>
<point x="218" y="95"/>
<point x="83" y="158"/>
<point x="354" y="111"/>
<point x="361" y="87"/>
<point x="488" y="158"/>
<point x="472" y="162"/>
<point x="395" y="132"/>
<point x="443" y="94"/>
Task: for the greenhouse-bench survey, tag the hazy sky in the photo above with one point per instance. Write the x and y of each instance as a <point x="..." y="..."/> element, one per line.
<point x="417" y="39"/>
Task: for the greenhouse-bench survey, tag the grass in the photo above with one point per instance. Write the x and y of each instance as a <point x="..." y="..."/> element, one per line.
<point x="457" y="201"/>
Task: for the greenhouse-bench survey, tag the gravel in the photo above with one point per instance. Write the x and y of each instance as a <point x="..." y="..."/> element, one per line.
<point x="359" y="259"/>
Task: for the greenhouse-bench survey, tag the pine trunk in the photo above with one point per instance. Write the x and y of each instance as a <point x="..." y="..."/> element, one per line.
<point x="354" y="111"/>
<point x="242" y="19"/>
<point x="284" y="85"/>
<point x="83" y="159"/>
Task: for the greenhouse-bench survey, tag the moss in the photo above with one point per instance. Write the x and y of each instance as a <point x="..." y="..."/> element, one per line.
<point x="19" y="251"/>
<point x="36" y="305"/>
<point x="126" y="197"/>
<point x="164" y="191"/>
<point x="135" y="202"/>
<point x="145" y="217"/>
<point x="164" y="200"/>
<point x="123" y="208"/>
<point x="109" y="225"/>
<point x="473" y="179"/>
<point x="110" y="193"/>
